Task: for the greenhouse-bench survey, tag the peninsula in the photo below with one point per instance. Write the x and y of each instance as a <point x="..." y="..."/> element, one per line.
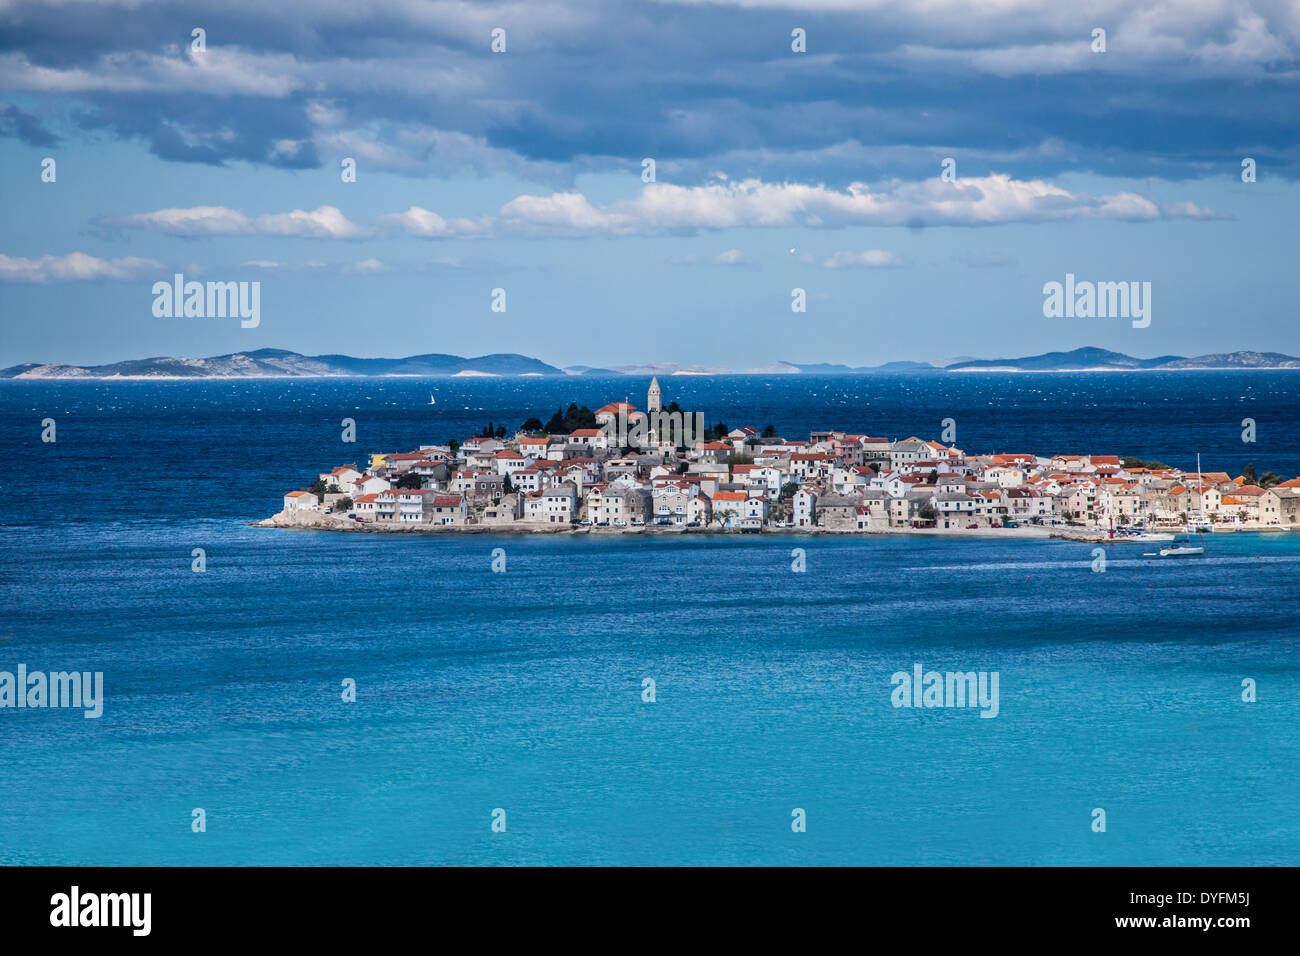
<point x="621" y="469"/>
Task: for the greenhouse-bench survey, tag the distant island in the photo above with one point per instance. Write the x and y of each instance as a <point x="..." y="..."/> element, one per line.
<point x="280" y="363"/>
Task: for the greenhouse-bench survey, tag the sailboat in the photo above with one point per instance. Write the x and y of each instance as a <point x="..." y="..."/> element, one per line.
<point x="1182" y="546"/>
<point x="431" y="399"/>
<point x="1151" y="536"/>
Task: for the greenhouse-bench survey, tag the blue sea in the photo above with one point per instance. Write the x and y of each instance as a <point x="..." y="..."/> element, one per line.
<point x="523" y="691"/>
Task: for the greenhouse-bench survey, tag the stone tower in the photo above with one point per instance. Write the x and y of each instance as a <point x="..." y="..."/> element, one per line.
<point x="652" y="397"/>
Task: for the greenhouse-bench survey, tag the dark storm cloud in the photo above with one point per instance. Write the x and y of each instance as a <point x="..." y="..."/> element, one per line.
<point x="24" y="126"/>
<point x="884" y="91"/>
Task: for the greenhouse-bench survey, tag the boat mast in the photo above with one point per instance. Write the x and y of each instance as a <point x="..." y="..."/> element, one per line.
<point x="1200" y="489"/>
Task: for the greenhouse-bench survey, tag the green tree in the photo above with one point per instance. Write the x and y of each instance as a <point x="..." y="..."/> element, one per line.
<point x="789" y="489"/>
<point x="556" y="424"/>
<point x="576" y="418"/>
<point x="343" y="504"/>
<point x="507" y="486"/>
<point x="453" y="445"/>
<point x="1268" y="480"/>
<point x="318" y="488"/>
<point x="1129" y="462"/>
<point x="532" y="425"/>
<point x="1249" y="473"/>
<point x="769" y="431"/>
<point x="410" y="481"/>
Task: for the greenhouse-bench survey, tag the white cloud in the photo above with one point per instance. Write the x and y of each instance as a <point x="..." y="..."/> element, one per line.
<point x="660" y="209"/>
<point x="75" y="266"/>
<point x="869" y="259"/>
<point x="731" y="257"/>
<point x="664" y="208"/>
<point x="422" y="223"/>
<point x="270" y="265"/>
<point x="220" y="70"/>
<point x="325" y="222"/>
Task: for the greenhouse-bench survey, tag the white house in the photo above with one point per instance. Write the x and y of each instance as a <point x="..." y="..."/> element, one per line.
<point x="557" y="504"/>
<point x="805" y="504"/>
<point x="300" y="501"/>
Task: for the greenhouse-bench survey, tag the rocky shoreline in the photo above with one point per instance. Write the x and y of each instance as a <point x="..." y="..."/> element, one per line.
<point x="315" y="521"/>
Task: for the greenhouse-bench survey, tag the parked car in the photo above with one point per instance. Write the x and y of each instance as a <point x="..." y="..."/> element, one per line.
<point x="972" y="527"/>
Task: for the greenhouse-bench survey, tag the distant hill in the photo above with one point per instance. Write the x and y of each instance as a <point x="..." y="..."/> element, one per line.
<point x="279" y="363"/>
<point x="1238" y="360"/>
<point x="588" y="370"/>
<point x="1095" y="358"/>
<point x="827" y="368"/>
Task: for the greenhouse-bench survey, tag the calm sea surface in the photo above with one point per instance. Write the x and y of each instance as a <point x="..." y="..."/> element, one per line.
<point x="523" y="690"/>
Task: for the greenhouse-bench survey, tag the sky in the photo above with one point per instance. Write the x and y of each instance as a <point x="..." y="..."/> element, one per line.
<point x="522" y="169"/>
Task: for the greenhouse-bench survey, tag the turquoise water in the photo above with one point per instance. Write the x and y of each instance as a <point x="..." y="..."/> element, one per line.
<point x="523" y="690"/>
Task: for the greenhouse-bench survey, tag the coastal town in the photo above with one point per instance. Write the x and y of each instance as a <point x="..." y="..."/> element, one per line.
<point x="647" y="471"/>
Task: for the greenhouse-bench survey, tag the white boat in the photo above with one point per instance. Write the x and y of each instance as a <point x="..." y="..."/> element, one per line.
<point x="1197" y="524"/>
<point x="1152" y="536"/>
<point x="431" y="400"/>
<point x="1182" y="548"/>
